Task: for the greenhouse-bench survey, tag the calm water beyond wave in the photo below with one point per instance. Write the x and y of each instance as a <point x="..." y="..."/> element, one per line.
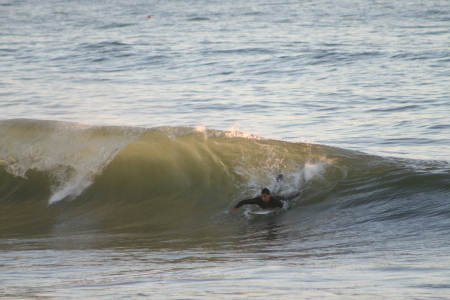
<point x="128" y="129"/>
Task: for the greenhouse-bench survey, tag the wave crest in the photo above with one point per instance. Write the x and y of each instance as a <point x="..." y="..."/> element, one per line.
<point x="126" y="177"/>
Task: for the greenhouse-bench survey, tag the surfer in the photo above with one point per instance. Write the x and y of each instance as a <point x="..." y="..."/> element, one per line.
<point x="265" y="201"/>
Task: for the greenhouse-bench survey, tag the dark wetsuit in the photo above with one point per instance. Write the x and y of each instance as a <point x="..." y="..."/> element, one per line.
<point x="273" y="202"/>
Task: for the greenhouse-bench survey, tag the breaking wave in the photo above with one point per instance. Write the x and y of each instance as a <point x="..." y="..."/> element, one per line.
<point x="68" y="175"/>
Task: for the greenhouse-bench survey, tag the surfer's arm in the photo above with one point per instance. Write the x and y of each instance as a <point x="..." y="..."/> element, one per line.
<point x="243" y="202"/>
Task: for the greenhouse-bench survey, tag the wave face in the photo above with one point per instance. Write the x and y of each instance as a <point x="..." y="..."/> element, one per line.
<point x="68" y="177"/>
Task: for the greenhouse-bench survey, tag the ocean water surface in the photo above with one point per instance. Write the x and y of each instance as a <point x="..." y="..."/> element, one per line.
<point x="128" y="129"/>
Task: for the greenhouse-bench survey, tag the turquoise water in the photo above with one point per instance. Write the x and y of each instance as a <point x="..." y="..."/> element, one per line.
<point x="124" y="141"/>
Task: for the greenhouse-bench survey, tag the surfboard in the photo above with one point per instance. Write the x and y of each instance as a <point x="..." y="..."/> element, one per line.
<point x="262" y="212"/>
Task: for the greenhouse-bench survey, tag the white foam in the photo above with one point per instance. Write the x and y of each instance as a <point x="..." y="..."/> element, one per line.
<point x="234" y="132"/>
<point x="72" y="187"/>
<point x="312" y="170"/>
<point x="200" y="128"/>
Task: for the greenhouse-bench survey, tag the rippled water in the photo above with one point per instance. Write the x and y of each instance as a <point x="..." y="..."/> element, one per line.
<point x="168" y="113"/>
<point x="367" y="75"/>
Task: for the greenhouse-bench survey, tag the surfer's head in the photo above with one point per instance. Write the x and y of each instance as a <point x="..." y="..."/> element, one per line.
<point x="265" y="195"/>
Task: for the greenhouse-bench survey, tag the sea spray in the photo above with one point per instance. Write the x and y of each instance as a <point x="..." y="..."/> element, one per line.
<point x="71" y="154"/>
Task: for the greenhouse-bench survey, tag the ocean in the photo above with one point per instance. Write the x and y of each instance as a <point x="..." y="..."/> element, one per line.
<point x="129" y="129"/>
